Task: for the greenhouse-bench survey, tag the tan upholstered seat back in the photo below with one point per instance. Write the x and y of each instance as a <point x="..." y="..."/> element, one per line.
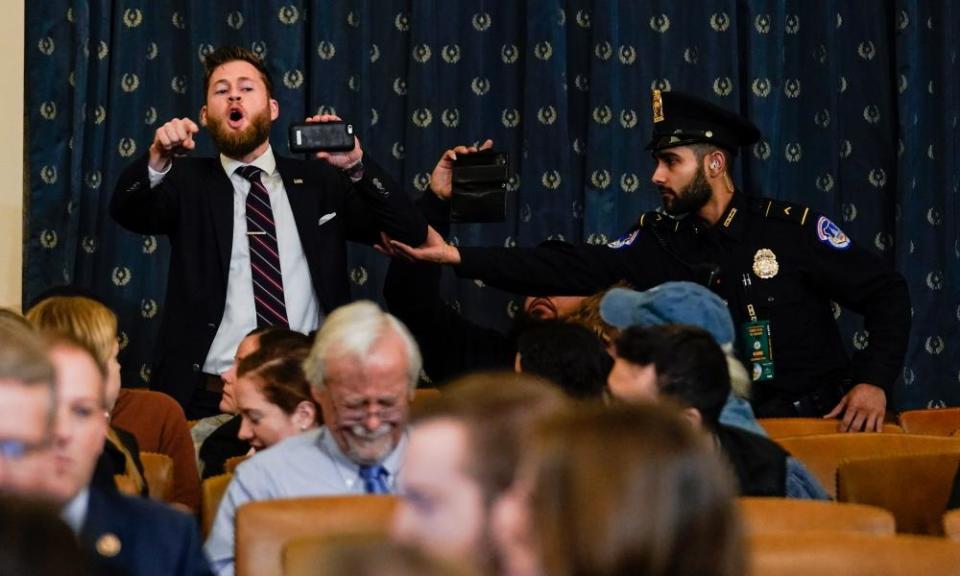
<point x="823" y="454"/>
<point x="933" y="422"/>
<point x="774" y="515"/>
<point x="787" y="427"/>
<point x="849" y="554"/>
<point x="211" y="493"/>
<point x="264" y="528"/>
<point x="158" y="472"/>
<point x="914" y="488"/>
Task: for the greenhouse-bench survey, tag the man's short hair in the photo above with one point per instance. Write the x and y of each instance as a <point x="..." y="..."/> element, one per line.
<point x="568" y="354"/>
<point x="496" y="409"/>
<point x="352" y="330"/>
<point x="23" y="356"/>
<point x="691" y="367"/>
<point x="226" y="54"/>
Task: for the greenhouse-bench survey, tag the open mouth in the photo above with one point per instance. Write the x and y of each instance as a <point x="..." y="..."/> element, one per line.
<point x="235" y="117"/>
<point x="542" y="308"/>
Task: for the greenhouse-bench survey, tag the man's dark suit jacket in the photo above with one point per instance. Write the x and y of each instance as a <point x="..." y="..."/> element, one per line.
<point x="139" y="537"/>
<point x="193" y="206"/>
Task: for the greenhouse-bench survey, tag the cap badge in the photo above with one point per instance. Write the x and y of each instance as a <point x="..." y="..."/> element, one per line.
<point x="765" y="264"/>
<point x="108" y="545"/>
<point x="657" y="107"/>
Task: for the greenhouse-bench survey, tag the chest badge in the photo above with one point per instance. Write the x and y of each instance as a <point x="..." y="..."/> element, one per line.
<point x="765" y="264"/>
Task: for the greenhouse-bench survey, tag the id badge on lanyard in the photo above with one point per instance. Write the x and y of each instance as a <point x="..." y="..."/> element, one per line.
<point x="756" y="341"/>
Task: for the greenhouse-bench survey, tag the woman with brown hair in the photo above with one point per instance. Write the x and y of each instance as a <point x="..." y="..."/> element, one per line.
<point x="273" y="395"/>
<point x="620" y="491"/>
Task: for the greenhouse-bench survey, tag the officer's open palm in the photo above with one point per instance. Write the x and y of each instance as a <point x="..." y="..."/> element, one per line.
<point x="435" y="249"/>
<point x="863" y="409"/>
<point x="441" y="179"/>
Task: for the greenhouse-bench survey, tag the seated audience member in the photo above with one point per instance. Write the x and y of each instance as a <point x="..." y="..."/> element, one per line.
<point x="464" y="448"/>
<point x="154" y="419"/>
<point x="363" y="368"/>
<point x="615" y="491"/>
<point x="570" y="355"/>
<point x="27" y="408"/>
<point x="34" y="541"/>
<point x="224" y="442"/>
<point x="96" y="327"/>
<point x="204" y="427"/>
<point x="123" y="534"/>
<point x="273" y="396"/>
<point x="694" y="305"/>
<point x="685" y="365"/>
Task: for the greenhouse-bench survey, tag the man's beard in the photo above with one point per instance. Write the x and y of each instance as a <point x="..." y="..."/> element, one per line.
<point x="237" y="145"/>
<point x="692" y="197"/>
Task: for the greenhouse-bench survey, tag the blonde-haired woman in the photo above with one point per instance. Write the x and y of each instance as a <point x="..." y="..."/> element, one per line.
<point x="155" y="420"/>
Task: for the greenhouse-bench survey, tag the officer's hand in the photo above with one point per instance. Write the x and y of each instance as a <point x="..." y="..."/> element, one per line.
<point x="386" y="248"/>
<point x="172" y="138"/>
<point x="441" y="180"/>
<point x="434" y="249"/>
<point x="863" y="408"/>
<point x="341" y="160"/>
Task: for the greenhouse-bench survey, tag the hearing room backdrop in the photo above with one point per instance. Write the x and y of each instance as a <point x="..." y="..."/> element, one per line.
<point x="858" y="103"/>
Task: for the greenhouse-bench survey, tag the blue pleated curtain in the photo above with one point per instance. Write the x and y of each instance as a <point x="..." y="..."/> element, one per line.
<point x="858" y="103"/>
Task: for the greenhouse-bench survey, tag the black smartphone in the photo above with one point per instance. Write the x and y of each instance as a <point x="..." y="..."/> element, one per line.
<point x="321" y="136"/>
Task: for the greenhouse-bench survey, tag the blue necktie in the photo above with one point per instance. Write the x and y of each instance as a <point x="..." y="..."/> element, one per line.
<point x="374" y="479"/>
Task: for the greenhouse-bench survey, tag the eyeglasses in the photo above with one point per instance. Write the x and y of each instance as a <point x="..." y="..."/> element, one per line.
<point x="17" y="449"/>
<point x="12" y="449"/>
<point x="357" y="414"/>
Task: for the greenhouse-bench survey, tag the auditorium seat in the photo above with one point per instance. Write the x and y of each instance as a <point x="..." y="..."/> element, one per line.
<point x="788" y="427"/>
<point x="850" y="554"/>
<point x="822" y="454"/>
<point x="308" y="556"/>
<point x="773" y="515"/>
<point x="264" y="528"/>
<point x="158" y="472"/>
<point x="230" y="466"/>
<point x="933" y="422"/>
<point x="424" y="394"/>
<point x="914" y="488"/>
<point x="211" y="492"/>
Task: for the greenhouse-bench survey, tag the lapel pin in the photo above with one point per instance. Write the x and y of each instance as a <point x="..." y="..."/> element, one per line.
<point x="108" y="545"/>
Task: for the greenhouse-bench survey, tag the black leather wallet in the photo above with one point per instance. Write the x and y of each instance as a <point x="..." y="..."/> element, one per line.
<point x="480" y="187"/>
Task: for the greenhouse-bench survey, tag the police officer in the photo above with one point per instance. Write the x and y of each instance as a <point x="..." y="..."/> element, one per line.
<point x="778" y="265"/>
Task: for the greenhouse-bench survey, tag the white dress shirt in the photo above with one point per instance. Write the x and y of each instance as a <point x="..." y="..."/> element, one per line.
<point x="239" y="313"/>
<point x="74" y="512"/>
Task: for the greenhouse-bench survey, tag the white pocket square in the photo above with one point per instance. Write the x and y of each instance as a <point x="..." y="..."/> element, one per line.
<point x="326" y="218"/>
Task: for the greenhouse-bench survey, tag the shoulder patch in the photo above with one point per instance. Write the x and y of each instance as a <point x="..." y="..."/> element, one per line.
<point x="831" y="234"/>
<point x="780" y="210"/>
<point x="625" y="240"/>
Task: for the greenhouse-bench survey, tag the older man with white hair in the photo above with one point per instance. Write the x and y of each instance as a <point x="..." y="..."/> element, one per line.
<point x="363" y="368"/>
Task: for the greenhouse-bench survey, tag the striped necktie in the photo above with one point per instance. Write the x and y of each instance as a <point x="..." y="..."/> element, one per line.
<point x="264" y="255"/>
<point x="374" y="479"/>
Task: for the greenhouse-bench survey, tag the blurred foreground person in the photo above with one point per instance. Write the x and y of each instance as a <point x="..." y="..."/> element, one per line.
<point x="125" y="535"/>
<point x="463" y="454"/>
<point x="620" y="491"/>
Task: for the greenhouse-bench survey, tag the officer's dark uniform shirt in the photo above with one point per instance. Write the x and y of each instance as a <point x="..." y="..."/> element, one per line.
<point x="806" y="262"/>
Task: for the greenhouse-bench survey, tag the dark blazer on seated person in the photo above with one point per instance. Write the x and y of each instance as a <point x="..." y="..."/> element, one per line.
<point x="141" y="537"/>
<point x="193" y="206"/>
